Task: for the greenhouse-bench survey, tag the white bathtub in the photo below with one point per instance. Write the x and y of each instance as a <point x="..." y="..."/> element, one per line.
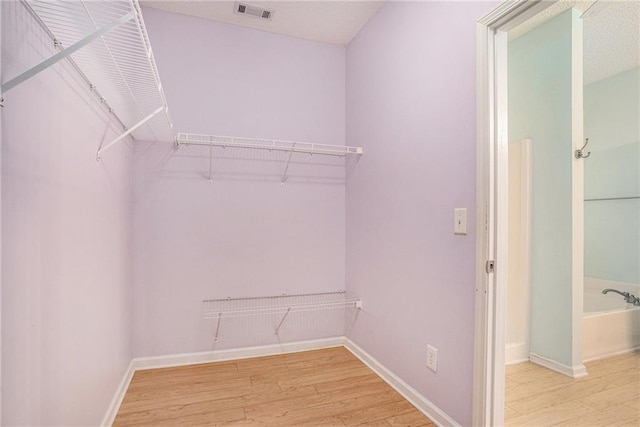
<point x="611" y="325"/>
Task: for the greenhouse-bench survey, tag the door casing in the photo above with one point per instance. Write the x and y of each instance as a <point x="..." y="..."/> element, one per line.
<point x="491" y="211"/>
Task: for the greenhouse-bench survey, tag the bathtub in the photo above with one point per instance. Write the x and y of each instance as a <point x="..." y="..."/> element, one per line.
<point x="611" y="326"/>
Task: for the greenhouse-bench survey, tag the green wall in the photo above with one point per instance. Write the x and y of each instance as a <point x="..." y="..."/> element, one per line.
<point x="612" y="227"/>
<point x="540" y="107"/>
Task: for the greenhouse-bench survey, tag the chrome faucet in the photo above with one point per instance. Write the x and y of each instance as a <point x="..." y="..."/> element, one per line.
<point x="630" y="298"/>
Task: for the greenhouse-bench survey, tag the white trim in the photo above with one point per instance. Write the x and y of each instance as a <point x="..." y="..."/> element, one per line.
<point x="483" y="360"/>
<point x="1" y="150"/>
<point x="516" y="353"/>
<point x="172" y="360"/>
<point x="617" y="353"/>
<point x="488" y="395"/>
<point x="501" y="224"/>
<point x="425" y="406"/>
<point x="576" y="371"/>
<point x="114" y="406"/>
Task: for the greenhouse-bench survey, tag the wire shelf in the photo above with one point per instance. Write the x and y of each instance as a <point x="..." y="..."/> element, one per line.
<point x="345" y="156"/>
<point x="118" y="63"/>
<point x="268" y="144"/>
<point x="281" y="305"/>
<point x="283" y="308"/>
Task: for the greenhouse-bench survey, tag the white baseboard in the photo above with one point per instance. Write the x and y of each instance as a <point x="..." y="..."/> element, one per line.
<point x="172" y="360"/>
<point x="576" y="371"/>
<point x="516" y="353"/>
<point x="617" y="353"/>
<point x="114" y="406"/>
<point x="437" y="415"/>
<point x="141" y="363"/>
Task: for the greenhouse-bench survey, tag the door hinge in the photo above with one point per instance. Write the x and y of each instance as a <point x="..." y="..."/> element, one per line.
<point x="490" y="266"/>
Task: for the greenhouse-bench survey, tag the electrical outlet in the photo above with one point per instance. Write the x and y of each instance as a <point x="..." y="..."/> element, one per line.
<point x="432" y="358"/>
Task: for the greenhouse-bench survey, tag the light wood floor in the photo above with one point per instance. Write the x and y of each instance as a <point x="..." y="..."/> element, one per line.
<point x="329" y="387"/>
<point x="608" y="396"/>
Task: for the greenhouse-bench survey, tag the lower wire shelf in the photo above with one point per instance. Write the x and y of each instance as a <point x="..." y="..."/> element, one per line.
<point x="218" y="309"/>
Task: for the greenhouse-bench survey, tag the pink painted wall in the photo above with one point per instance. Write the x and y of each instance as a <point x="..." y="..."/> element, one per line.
<point x="244" y="234"/>
<point x="66" y="260"/>
<point x="411" y="102"/>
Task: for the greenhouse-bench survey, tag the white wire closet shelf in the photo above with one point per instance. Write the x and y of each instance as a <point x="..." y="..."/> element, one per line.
<point x="218" y="309"/>
<point x="107" y="42"/>
<point x="268" y="144"/>
<point x="304" y="151"/>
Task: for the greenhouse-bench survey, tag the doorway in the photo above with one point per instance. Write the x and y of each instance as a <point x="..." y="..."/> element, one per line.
<point x="493" y="144"/>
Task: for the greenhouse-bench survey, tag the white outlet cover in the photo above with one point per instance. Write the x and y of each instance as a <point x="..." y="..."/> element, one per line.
<point x="460" y="221"/>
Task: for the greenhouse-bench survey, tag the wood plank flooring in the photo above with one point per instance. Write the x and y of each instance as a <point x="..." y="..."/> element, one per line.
<point x="328" y="387"/>
<point x="608" y="396"/>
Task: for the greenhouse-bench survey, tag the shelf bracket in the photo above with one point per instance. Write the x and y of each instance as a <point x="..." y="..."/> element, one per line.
<point x="210" y="164"/>
<point x="282" y="321"/>
<point x="286" y="169"/>
<point x="124" y="135"/>
<point x="5" y="87"/>
<point x="218" y="327"/>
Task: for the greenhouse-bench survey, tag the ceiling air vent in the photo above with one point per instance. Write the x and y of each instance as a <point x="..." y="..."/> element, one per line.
<point x="257" y="12"/>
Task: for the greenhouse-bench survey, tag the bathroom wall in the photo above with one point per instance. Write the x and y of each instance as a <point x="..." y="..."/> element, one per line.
<point x="245" y="234"/>
<point x="544" y="104"/>
<point x="612" y="227"/>
<point x="66" y="259"/>
<point x="411" y="84"/>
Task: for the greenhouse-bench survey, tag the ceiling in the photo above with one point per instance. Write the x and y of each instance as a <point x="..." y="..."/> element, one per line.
<point x="611" y="34"/>
<point x="335" y="22"/>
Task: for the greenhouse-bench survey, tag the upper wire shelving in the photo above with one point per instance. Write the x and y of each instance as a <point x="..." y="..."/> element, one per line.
<point x="107" y="42"/>
<point x="267" y="144"/>
<point x="271" y="145"/>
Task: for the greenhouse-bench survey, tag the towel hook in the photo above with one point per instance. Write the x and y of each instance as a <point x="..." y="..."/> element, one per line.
<point x="580" y="152"/>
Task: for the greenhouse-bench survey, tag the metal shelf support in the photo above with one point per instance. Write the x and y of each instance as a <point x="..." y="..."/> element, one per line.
<point x="286" y="169"/>
<point x="124" y="135"/>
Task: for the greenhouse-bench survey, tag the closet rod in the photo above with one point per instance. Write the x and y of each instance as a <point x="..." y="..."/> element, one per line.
<point x="612" y="198"/>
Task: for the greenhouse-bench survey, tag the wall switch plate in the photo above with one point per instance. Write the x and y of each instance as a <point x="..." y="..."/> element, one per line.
<point x="432" y="358"/>
<point x="460" y="221"/>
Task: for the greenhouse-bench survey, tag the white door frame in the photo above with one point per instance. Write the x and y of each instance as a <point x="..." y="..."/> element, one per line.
<point x="491" y="190"/>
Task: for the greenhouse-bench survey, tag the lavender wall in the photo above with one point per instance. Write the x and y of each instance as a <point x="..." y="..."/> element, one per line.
<point x="222" y="79"/>
<point x="244" y="234"/>
<point x="411" y="103"/>
<point x="66" y="222"/>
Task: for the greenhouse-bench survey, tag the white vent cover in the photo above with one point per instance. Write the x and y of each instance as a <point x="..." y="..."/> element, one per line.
<point x="258" y="12"/>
